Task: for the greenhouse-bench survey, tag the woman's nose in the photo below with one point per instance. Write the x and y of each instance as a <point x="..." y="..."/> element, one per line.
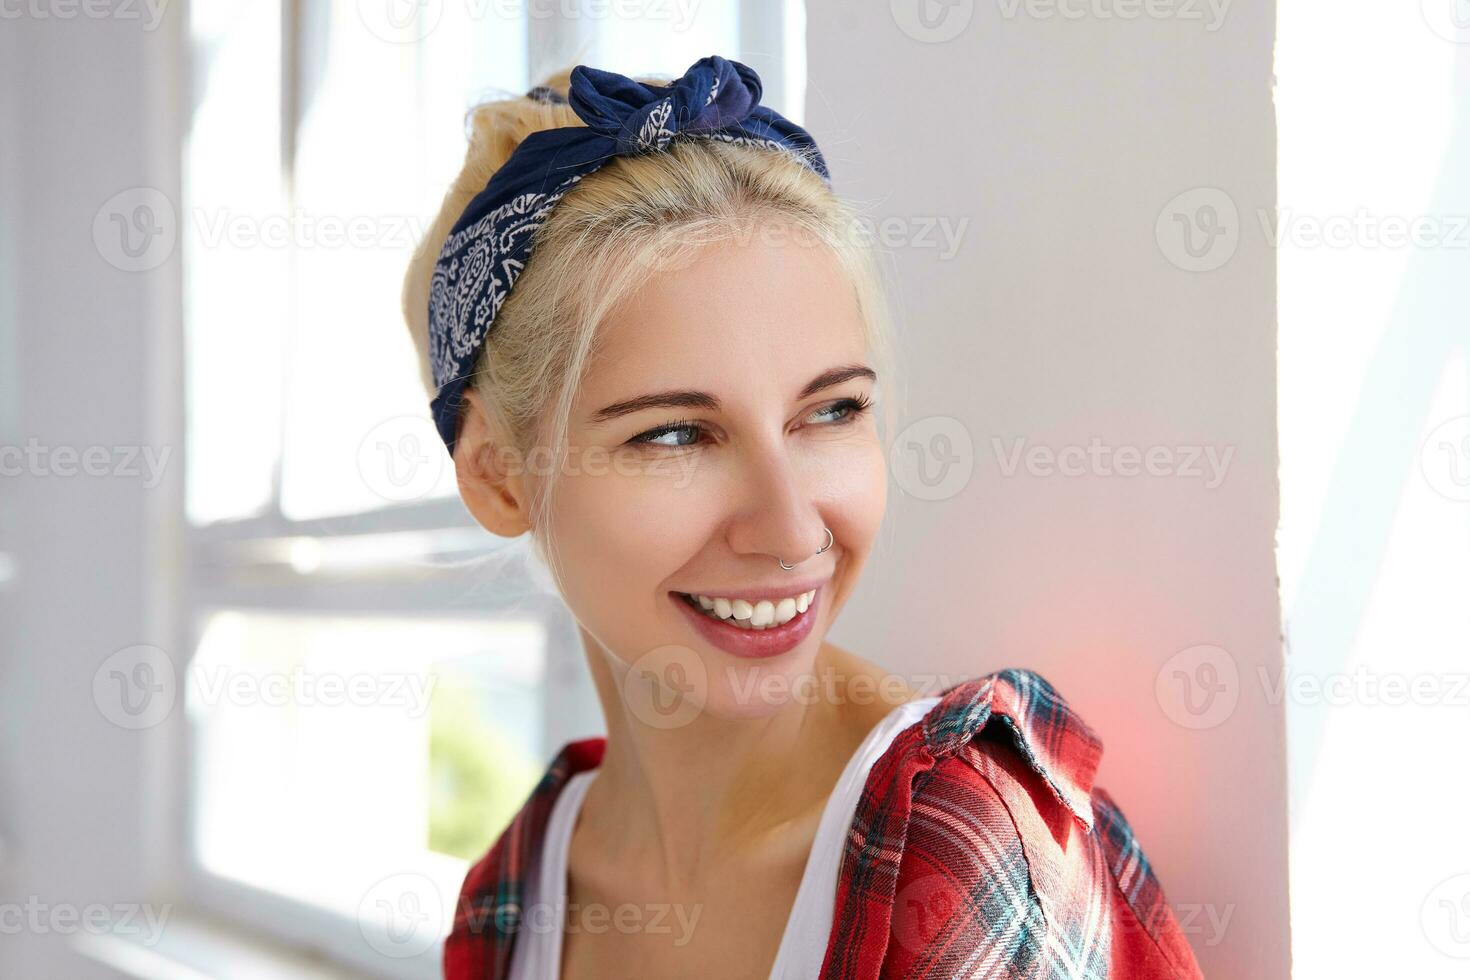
<point x="779" y="516"/>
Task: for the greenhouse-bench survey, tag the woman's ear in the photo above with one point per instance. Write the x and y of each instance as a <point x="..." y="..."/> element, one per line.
<point x="490" y="474"/>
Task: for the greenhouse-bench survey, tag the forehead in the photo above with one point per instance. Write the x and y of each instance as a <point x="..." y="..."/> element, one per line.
<point x="768" y="311"/>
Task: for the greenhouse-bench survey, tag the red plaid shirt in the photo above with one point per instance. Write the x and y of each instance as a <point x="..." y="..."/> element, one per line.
<point x="977" y="850"/>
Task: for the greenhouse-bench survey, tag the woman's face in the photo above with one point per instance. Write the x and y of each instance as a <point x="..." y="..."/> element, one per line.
<point x="719" y="428"/>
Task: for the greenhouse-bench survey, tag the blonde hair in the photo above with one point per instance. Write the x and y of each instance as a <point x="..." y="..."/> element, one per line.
<point x="613" y="231"/>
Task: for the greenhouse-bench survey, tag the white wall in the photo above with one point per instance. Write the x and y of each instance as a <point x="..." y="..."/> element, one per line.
<point x="85" y="111"/>
<point x="1062" y="317"/>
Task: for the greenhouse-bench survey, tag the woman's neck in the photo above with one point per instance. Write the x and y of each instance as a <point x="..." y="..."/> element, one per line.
<point x="681" y="805"/>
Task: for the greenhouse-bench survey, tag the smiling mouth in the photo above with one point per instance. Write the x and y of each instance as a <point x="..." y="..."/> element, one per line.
<point x="745" y="615"/>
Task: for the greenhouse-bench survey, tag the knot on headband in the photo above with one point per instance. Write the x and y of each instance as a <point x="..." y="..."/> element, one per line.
<point x="712" y="95"/>
<point x="488" y="247"/>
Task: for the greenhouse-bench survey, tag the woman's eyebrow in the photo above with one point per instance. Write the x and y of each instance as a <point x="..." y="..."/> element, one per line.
<point x="704" y="400"/>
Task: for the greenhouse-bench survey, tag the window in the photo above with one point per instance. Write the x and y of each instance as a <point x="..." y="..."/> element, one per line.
<point x="370" y="690"/>
<point x="1374" y="363"/>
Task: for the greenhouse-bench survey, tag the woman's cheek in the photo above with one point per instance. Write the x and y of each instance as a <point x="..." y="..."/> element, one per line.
<point x="622" y="535"/>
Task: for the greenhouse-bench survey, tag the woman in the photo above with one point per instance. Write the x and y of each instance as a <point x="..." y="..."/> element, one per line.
<point x="677" y="404"/>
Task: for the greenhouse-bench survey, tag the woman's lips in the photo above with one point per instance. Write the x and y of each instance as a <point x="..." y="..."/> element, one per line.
<point x="770" y="642"/>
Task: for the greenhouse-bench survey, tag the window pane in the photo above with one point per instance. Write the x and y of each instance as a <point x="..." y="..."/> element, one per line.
<point x="381" y="136"/>
<point x="333" y="752"/>
<point x="669" y="39"/>
<point x="1374" y="541"/>
<point x="234" y="287"/>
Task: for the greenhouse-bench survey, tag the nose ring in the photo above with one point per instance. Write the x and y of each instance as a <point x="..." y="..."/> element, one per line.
<point x="819" y="550"/>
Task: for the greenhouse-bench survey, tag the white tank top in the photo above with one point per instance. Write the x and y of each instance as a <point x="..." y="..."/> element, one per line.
<point x="537" y="954"/>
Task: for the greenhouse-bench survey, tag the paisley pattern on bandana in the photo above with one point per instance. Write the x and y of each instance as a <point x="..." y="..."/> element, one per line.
<point x="477" y="268"/>
<point x="489" y="246"/>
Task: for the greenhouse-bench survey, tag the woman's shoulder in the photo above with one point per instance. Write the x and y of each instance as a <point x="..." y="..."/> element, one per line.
<point x="996" y="828"/>
<point x="491" y="902"/>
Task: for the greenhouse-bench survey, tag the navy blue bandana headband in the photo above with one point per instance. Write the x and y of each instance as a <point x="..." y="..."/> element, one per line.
<point x="489" y="245"/>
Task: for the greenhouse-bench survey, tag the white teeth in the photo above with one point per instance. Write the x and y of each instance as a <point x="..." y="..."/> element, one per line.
<point x="759" y="615"/>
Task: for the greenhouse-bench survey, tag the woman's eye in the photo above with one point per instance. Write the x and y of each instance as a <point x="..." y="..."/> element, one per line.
<point x="662" y="435"/>
<point x="677" y="435"/>
<point x="841" y="412"/>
